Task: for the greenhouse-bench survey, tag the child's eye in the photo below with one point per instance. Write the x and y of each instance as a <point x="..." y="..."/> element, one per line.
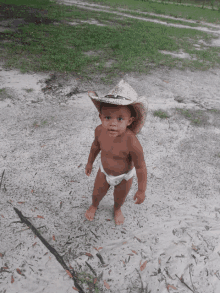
<point x="120" y="118"/>
<point x="107" y="117"/>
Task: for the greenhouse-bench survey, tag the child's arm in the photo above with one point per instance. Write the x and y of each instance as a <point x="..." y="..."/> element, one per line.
<point x="136" y="152"/>
<point x="94" y="151"/>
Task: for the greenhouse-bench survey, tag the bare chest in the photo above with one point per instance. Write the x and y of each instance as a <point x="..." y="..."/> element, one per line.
<point x="117" y="149"/>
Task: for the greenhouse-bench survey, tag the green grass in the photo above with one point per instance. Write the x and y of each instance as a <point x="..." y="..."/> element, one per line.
<point x="47" y="43"/>
<point x="2" y="90"/>
<point x="28" y="90"/>
<point x="196" y="117"/>
<point x="175" y="10"/>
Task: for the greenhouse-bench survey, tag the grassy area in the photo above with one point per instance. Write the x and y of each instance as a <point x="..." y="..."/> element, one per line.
<point x="175" y="10"/>
<point x="47" y="42"/>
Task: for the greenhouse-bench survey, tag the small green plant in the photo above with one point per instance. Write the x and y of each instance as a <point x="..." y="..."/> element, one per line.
<point x="87" y="279"/>
<point x="28" y="90"/>
<point x="35" y="124"/>
<point x="161" y="114"/>
<point x="4" y="95"/>
<point x="184" y="112"/>
<point x="2" y="90"/>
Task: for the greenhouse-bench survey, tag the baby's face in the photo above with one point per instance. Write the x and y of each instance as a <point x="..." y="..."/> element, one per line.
<point x="115" y="120"/>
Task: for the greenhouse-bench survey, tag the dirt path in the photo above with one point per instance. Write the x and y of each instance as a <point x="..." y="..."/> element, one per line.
<point x="213" y="29"/>
<point x="47" y="126"/>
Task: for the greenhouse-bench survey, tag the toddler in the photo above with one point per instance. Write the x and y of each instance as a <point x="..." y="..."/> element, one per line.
<point x="122" y="117"/>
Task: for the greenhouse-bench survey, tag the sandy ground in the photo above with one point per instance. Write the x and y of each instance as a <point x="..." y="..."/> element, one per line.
<point x="45" y="142"/>
<point x="170" y="243"/>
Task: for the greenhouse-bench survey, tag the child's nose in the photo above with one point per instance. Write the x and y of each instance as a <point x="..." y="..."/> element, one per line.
<point x="114" y="121"/>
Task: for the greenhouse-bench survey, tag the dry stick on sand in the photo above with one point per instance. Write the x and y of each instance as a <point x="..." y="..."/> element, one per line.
<point x="2" y="178"/>
<point x="94" y="272"/>
<point x="142" y="285"/>
<point x="52" y="250"/>
<point x="191" y="276"/>
<point x="181" y="280"/>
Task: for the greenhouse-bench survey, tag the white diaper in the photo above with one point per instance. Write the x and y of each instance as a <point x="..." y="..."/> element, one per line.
<point x="115" y="180"/>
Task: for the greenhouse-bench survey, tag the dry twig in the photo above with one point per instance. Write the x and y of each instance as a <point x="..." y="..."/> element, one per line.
<point x="94" y="272"/>
<point x="142" y="285"/>
<point x="2" y="178"/>
<point x="59" y="258"/>
<point x="181" y="280"/>
<point x="191" y="276"/>
<point x="100" y="257"/>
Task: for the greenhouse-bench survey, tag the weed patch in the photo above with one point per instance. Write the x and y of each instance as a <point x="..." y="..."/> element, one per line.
<point x="133" y="45"/>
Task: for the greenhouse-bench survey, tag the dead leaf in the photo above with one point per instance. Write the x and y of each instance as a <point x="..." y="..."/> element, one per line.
<point x="123" y="262"/>
<point x="18" y="271"/>
<point x="108" y="219"/>
<point x="68" y="273"/>
<point x="95" y="280"/>
<point x="74" y="288"/>
<point x="41" y="217"/>
<point x="32" y="191"/>
<point x="2" y="216"/>
<point x="124" y="242"/>
<point x="97" y="248"/>
<point x="20" y="202"/>
<point x="106" y="285"/>
<point x="143" y="266"/>
<point x="54" y="238"/>
<point x="89" y="254"/>
<point x="34" y="244"/>
<point x="71" y="267"/>
<point x="134" y="251"/>
<point x="80" y="165"/>
<point x="43" y="145"/>
<point x="166" y="81"/>
<point x="1" y="254"/>
<point x="12" y="279"/>
<point x="5" y="268"/>
<point x="109" y="271"/>
<point x="171" y="286"/>
<point x="159" y="261"/>
<point x="194" y="247"/>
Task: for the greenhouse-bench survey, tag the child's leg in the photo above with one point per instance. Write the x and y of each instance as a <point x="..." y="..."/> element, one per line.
<point x="101" y="187"/>
<point x="120" y="193"/>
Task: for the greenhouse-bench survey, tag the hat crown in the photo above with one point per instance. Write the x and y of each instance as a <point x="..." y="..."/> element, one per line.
<point x="123" y="89"/>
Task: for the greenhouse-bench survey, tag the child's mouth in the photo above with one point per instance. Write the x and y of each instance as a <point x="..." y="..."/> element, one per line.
<point x="112" y="130"/>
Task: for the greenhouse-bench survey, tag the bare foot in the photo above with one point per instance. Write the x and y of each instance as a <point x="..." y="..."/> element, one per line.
<point x="119" y="218"/>
<point x="90" y="213"/>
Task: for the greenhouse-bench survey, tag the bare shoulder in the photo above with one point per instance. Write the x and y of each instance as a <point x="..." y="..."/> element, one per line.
<point x="98" y="130"/>
<point x="132" y="140"/>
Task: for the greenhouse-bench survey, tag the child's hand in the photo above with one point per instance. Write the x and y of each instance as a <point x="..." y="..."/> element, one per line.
<point x="88" y="169"/>
<point x="140" y="196"/>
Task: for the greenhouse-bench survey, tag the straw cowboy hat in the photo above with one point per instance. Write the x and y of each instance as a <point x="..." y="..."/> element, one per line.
<point x="124" y="94"/>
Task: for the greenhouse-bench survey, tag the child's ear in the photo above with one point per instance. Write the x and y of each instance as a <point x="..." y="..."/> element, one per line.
<point x="131" y="119"/>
